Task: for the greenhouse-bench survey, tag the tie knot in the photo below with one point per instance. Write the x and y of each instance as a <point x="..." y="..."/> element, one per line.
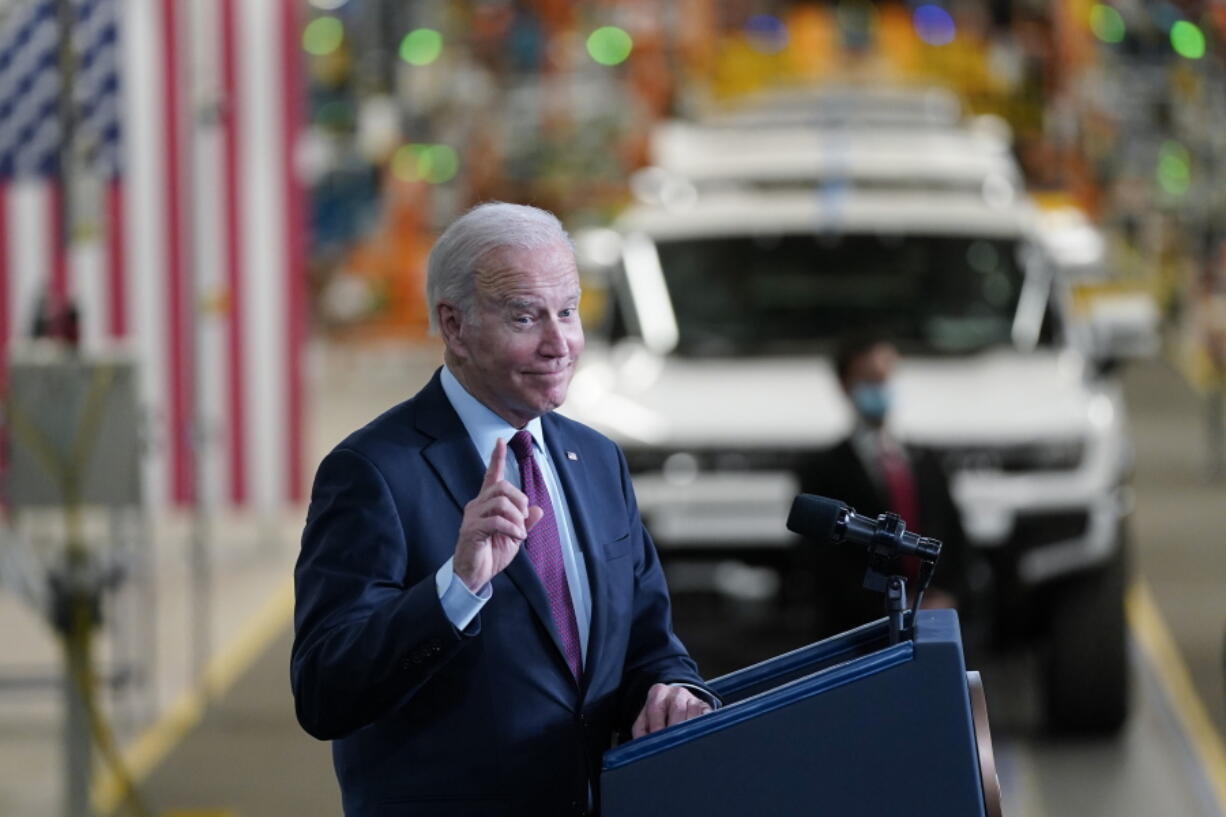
<point x="521" y="445"/>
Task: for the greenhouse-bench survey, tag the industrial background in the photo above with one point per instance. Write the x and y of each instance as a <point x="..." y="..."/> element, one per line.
<point x="214" y="219"/>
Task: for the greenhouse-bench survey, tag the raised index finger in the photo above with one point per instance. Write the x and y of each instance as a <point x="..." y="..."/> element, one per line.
<point x="497" y="460"/>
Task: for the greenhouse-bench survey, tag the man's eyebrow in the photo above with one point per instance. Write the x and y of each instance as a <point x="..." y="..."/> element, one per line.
<point x="521" y="303"/>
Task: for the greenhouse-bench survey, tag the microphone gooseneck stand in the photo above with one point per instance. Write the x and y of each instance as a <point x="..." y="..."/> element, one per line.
<point x="880" y="574"/>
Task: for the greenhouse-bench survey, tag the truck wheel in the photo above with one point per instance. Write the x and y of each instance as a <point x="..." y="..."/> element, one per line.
<point x="1087" y="666"/>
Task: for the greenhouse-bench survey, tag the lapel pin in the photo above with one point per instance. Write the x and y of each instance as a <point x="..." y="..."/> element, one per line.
<point x="571" y="455"/>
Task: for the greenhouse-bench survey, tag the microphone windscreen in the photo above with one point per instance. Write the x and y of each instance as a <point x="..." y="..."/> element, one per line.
<point x="814" y="516"/>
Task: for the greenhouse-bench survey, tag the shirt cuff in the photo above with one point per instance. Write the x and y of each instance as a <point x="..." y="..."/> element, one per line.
<point x="699" y="692"/>
<point x="460" y="604"/>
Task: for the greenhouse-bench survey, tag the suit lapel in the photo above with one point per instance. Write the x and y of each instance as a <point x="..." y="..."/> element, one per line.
<point x="576" y="485"/>
<point x="458" y="465"/>
<point x="452" y="456"/>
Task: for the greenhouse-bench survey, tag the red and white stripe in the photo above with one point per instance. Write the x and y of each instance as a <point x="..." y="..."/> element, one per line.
<point x="197" y="262"/>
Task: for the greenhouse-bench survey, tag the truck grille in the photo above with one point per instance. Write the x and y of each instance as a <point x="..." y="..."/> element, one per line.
<point x="1031" y="530"/>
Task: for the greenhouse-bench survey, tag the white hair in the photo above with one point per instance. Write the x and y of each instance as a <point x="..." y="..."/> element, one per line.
<point x="452" y="268"/>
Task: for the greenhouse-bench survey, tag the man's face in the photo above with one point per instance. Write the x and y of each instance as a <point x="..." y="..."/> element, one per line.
<point x="519" y="355"/>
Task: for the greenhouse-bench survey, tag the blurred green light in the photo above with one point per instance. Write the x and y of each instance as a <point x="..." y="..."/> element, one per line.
<point x="421" y="46"/>
<point x="436" y="164"/>
<point x="322" y="36"/>
<point x="609" y="45"/>
<point x="1188" y="40"/>
<point x="406" y="162"/>
<point x="1107" y="24"/>
<point x="1174" y="168"/>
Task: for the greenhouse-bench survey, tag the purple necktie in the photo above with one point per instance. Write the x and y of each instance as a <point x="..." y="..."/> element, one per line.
<point x="544" y="547"/>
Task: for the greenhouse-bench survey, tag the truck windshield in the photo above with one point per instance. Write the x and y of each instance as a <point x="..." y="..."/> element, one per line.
<point x="776" y="294"/>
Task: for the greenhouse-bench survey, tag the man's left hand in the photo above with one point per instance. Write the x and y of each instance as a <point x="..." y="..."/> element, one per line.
<point x="667" y="705"/>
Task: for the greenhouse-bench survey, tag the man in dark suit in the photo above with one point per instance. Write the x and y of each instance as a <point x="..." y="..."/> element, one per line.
<point x="873" y="472"/>
<point x="473" y="626"/>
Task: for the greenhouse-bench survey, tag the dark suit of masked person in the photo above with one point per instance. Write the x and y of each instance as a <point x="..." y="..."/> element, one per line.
<point x="874" y="473"/>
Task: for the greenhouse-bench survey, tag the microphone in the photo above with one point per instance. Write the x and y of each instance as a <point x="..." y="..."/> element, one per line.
<point x="828" y="520"/>
<point x="885" y="538"/>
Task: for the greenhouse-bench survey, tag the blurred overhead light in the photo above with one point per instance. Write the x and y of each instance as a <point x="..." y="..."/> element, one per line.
<point x="317" y="155"/>
<point x="405" y="163"/>
<point x="439" y="164"/>
<point x="328" y="5"/>
<point x="1107" y="24"/>
<point x="1174" y="168"/>
<point x="378" y="128"/>
<point x="609" y="45"/>
<point x="322" y="36"/>
<point x="934" y="25"/>
<point x="1188" y="40"/>
<point x="766" y="34"/>
<point x="421" y="46"/>
<point x="435" y="164"/>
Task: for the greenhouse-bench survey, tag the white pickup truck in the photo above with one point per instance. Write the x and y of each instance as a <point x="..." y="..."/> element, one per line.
<point x="715" y="380"/>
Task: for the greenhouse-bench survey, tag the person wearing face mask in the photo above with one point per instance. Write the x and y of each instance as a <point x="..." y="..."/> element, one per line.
<point x="874" y="472"/>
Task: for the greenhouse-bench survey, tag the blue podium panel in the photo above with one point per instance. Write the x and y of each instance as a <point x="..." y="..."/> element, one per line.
<point x="848" y="726"/>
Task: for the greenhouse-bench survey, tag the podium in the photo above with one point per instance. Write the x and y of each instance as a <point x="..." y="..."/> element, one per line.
<point x="848" y="726"/>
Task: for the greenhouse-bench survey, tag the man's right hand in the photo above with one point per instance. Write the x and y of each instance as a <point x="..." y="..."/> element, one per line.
<point x="495" y="523"/>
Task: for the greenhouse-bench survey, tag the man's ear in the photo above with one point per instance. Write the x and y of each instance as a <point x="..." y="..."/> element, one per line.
<point x="450" y="327"/>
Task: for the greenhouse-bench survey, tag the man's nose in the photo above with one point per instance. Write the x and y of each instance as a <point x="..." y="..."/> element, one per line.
<point x="554" y="341"/>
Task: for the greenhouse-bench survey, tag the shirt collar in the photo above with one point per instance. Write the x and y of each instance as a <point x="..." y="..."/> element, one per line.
<point x="872" y="442"/>
<point x="483" y="425"/>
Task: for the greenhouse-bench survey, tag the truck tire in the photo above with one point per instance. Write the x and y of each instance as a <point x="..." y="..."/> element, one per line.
<point x="1087" y="664"/>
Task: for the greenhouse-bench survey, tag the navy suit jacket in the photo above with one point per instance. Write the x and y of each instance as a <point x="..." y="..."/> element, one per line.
<point x="427" y="719"/>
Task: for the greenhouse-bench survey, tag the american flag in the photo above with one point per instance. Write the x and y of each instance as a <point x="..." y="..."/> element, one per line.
<point x="182" y="241"/>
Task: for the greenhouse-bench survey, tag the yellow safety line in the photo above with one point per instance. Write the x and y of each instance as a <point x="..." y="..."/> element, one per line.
<point x="1154" y="638"/>
<point x="155" y="743"/>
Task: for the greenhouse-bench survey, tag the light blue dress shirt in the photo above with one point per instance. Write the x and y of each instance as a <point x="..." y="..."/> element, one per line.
<point x="485" y="428"/>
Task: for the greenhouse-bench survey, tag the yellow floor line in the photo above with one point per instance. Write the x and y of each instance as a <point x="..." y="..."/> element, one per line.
<point x="1154" y="638"/>
<point x="152" y="745"/>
